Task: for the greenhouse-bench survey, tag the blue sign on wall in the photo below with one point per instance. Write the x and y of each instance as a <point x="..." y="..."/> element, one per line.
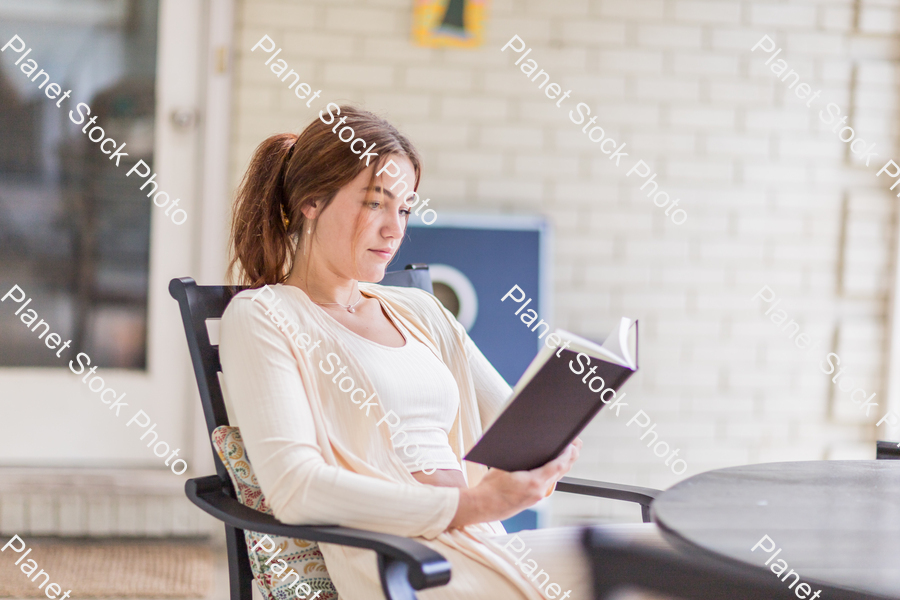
<point x="493" y="253"/>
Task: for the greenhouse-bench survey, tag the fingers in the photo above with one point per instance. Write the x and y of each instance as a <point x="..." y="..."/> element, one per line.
<point x="556" y="466"/>
<point x="561" y="473"/>
<point x="567" y="459"/>
<point x="576" y="445"/>
<point x="576" y="454"/>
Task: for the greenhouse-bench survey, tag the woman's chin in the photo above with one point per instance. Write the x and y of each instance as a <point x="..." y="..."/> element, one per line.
<point x="373" y="273"/>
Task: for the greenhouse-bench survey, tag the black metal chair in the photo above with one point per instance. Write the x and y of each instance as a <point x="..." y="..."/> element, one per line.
<point x="617" y="566"/>
<point x="887" y="451"/>
<point x="404" y="564"/>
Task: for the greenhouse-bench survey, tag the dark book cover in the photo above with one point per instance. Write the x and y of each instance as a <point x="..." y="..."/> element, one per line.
<point x="549" y="412"/>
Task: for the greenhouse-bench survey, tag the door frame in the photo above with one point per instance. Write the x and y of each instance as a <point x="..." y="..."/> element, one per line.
<point x="194" y="78"/>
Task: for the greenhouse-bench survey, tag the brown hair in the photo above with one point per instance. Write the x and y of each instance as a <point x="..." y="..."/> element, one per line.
<point x="286" y="173"/>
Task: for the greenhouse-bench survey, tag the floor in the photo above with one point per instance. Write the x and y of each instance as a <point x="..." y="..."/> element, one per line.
<point x="219" y="589"/>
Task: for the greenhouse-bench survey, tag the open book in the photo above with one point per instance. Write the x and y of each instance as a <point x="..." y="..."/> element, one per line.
<point x="560" y="392"/>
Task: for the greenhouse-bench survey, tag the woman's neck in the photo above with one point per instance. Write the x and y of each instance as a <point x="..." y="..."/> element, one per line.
<point x="324" y="288"/>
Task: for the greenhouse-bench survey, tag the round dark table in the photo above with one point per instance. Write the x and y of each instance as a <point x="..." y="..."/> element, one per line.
<point x="837" y="522"/>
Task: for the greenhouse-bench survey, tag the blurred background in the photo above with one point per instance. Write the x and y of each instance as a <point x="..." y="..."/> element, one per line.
<point x="773" y="198"/>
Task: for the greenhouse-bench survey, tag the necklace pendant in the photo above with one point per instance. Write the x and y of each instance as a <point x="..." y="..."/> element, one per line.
<point x="351" y="309"/>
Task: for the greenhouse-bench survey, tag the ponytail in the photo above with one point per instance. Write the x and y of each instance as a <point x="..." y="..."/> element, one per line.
<point x="286" y="173"/>
<point x="259" y="228"/>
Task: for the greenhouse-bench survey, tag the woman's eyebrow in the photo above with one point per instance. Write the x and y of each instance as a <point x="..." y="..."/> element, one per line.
<point x="378" y="188"/>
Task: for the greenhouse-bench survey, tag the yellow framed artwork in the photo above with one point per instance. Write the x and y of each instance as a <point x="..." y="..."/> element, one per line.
<point x="449" y="23"/>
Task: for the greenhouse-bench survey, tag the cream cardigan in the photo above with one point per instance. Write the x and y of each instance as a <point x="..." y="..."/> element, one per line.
<point x="321" y="459"/>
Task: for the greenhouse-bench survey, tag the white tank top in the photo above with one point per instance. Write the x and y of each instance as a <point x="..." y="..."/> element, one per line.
<point x="419" y="388"/>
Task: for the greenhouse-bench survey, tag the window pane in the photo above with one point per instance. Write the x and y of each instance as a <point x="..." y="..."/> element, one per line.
<point x="74" y="232"/>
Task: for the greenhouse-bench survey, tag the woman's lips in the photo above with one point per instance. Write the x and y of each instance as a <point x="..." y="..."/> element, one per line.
<point x="385" y="254"/>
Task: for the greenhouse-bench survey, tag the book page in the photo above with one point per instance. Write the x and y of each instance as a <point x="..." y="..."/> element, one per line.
<point x="617" y="342"/>
<point x="543" y="355"/>
<point x="615" y="349"/>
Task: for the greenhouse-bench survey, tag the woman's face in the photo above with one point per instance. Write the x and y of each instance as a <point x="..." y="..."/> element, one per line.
<point x="378" y="211"/>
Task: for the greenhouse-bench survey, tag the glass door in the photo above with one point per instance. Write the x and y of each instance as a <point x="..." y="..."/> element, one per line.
<point x="99" y="151"/>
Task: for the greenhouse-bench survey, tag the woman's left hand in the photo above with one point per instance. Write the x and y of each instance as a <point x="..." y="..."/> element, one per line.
<point x="576" y="450"/>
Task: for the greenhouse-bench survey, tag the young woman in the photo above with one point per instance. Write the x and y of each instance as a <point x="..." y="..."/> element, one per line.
<point x="357" y="401"/>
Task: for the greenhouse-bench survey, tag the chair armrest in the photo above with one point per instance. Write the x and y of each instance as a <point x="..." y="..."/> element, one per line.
<point x="614" y="491"/>
<point x="425" y="568"/>
<point x="887" y="451"/>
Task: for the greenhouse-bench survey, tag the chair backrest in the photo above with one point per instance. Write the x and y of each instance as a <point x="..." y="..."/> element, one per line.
<point x="200" y="303"/>
<point x="887" y="451"/>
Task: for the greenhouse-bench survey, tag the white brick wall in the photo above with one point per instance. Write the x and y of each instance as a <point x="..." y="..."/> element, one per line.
<point x="97" y="503"/>
<point x="772" y="196"/>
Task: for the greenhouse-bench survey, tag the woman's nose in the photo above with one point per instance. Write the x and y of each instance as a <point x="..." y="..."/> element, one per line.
<point x="394" y="226"/>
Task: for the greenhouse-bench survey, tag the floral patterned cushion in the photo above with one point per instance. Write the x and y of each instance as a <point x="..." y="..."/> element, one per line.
<point x="300" y="557"/>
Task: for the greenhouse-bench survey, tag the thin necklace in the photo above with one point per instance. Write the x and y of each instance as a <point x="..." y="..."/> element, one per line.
<point x="350" y="307"/>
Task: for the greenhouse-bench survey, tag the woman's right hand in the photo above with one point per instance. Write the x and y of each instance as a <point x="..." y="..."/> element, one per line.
<point x="502" y="494"/>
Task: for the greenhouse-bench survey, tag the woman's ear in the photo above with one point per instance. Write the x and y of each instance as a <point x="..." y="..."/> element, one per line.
<point x="310" y="210"/>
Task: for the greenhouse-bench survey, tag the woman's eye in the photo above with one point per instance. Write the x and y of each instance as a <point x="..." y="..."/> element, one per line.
<point x="406" y="211"/>
<point x="374" y="205"/>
